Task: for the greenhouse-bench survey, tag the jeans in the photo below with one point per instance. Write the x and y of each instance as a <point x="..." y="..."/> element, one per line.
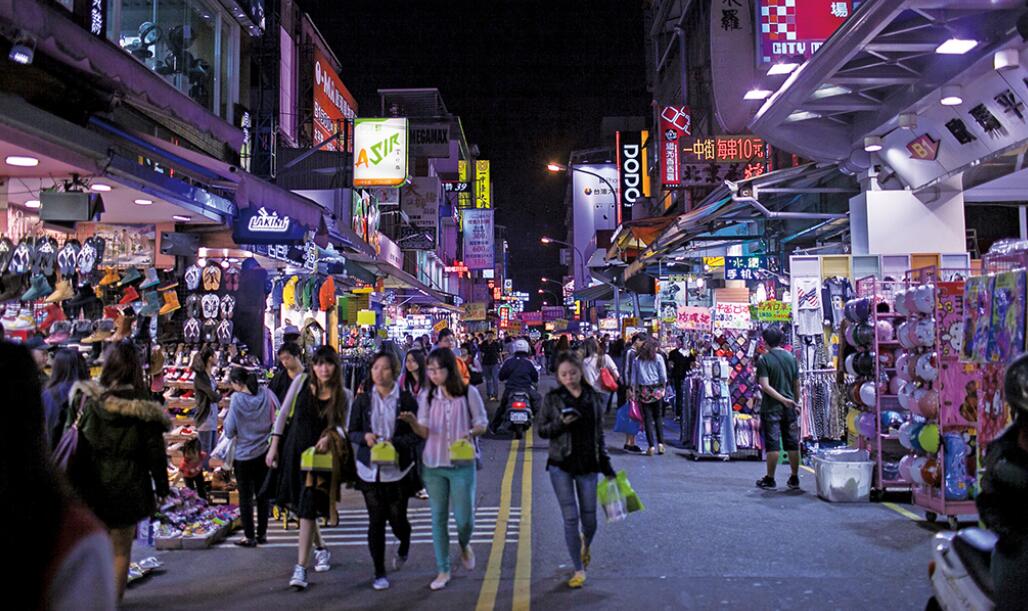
<point x="445" y="484"/>
<point x="575" y="507"/>
<point x="386" y="502"/>
<point x="207" y="441"/>
<point x="491" y="373"/>
<point x="652" y="417"/>
<point x="250" y="476"/>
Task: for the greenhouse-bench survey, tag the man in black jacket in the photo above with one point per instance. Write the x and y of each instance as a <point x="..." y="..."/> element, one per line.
<point x="518" y="374"/>
<point x="490" y="351"/>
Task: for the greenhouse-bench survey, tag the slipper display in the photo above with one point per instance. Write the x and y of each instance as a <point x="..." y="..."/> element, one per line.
<point x="87" y="259"/>
<point x="6" y="252"/>
<point x="46" y="256"/>
<point x="224" y="332"/>
<point x="192" y="277"/>
<point x="99" y="247"/>
<point x="212" y="277"/>
<point x="232" y="278"/>
<point x="67" y="257"/>
<point x="193" y="306"/>
<point x="210" y="304"/>
<point x="228" y="306"/>
<point x="210" y="330"/>
<point x="21" y="259"/>
<point x="191" y="331"/>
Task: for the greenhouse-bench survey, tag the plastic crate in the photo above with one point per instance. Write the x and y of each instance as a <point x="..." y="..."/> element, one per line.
<point x="844" y="476"/>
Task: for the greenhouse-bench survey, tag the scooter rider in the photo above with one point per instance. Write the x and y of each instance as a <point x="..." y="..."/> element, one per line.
<point x="518" y="374"/>
<point x="1004" y="495"/>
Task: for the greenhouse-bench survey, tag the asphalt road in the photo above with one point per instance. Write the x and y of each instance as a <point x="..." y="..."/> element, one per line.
<point x="707" y="539"/>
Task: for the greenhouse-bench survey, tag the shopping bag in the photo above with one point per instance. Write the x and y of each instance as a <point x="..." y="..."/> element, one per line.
<point x="383" y="453"/>
<point x="633" y="411"/>
<point x="225" y="451"/>
<point x="624" y="423"/>
<point x="608" y="381"/>
<point x="632" y="501"/>
<point x="462" y="451"/>
<point x="609" y="495"/>
<point x="311" y="460"/>
<point x="67" y="447"/>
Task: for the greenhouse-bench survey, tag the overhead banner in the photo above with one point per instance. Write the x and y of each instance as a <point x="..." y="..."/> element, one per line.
<point x="420" y="201"/>
<point x="483" y="185"/>
<point x="675" y="123"/>
<point x="380" y="152"/>
<point x="669" y="298"/>
<point x="429" y="139"/>
<point x="333" y="104"/>
<point x="774" y="311"/>
<point x="478" y="239"/>
<point x="551" y="313"/>
<point x="366" y="218"/>
<point x="532" y="319"/>
<point x="633" y="173"/>
<point x="729" y="315"/>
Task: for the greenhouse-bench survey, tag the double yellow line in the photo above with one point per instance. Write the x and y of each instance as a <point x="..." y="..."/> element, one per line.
<point x="523" y="566"/>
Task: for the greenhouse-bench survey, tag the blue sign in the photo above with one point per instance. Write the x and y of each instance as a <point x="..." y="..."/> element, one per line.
<point x="263" y="226"/>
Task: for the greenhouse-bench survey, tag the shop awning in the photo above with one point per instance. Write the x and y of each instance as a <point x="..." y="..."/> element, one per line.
<point x="638" y="234"/>
<point x="396" y="278"/>
<point x="254" y="192"/>
<point x="600" y="292"/>
<point x="329" y="231"/>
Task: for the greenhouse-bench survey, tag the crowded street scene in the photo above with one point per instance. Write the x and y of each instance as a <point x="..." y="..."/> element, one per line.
<point x="620" y="304"/>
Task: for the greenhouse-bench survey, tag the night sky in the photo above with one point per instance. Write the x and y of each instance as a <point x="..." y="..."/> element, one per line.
<point x="530" y="79"/>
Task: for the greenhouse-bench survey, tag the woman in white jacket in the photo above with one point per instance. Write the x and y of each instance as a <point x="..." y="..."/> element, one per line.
<point x="596" y="359"/>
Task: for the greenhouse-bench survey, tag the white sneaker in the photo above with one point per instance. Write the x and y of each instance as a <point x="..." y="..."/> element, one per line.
<point x="321" y="559"/>
<point x="381" y="583"/>
<point x="299" y="579"/>
<point x="440" y="581"/>
<point x="467" y="558"/>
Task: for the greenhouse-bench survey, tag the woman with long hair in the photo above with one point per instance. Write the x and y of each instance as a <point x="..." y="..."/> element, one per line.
<point x="572" y="419"/>
<point x="251" y="415"/>
<point x="375" y="418"/>
<point x="121" y="465"/>
<point x="649" y="378"/>
<point x="205" y="389"/>
<point x="68" y="368"/>
<point x="414" y="377"/>
<point x="312" y="415"/>
<point x="596" y="360"/>
<point x="449" y="411"/>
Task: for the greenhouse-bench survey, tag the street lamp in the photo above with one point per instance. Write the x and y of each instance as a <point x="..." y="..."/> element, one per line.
<point x="557" y="167"/>
<point x="560" y="284"/>
<point x="550" y="293"/>
<point x="581" y="257"/>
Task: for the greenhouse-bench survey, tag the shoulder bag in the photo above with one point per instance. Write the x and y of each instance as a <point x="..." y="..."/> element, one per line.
<point x="66" y="448"/>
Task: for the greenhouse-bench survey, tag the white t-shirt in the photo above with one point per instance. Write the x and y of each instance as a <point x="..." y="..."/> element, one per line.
<point x="591" y="369"/>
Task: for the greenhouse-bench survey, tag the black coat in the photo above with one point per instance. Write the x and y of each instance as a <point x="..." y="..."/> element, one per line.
<point x="404" y="438"/>
<point x="551" y="426"/>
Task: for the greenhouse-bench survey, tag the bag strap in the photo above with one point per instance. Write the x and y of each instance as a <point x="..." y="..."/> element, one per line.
<point x="300" y="380"/>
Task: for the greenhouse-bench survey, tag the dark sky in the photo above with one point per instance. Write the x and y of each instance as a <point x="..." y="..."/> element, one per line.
<point x="530" y="79"/>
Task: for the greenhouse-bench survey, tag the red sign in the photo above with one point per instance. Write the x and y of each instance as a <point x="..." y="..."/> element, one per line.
<point x="458" y="268"/>
<point x="675" y="122"/>
<point x="532" y="319"/>
<point x="923" y="148"/>
<point x="791" y="29"/>
<point x="332" y="104"/>
<point x="726" y="149"/>
<point x="692" y="318"/>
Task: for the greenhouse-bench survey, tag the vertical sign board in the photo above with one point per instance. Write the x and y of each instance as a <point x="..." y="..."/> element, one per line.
<point x="366" y="218"/>
<point x="478" y="239"/>
<point x="464" y="199"/>
<point x="483" y="186"/>
<point x="675" y="123"/>
<point x="420" y="201"/>
<point x="380" y="157"/>
<point x="333" y="104"/>
<point x="633" y="173"/>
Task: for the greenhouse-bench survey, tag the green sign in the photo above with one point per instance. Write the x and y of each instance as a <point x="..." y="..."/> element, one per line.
<point x="774" y="311"/>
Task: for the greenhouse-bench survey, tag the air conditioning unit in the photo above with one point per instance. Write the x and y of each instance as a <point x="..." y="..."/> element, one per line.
<point x="70" y="206"/>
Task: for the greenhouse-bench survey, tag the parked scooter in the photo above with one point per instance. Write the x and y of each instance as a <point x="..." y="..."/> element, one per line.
<point x="960" y="570"/>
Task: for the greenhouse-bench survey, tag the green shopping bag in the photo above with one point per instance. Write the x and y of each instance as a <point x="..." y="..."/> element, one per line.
<point x="615" y="508"/>
<point x="383" y="453"/>
<point x="631" y="497"/>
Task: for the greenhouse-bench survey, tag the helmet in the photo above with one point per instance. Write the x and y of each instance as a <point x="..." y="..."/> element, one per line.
<point x="521" y="345"/>
<point x="1015" y="384"/>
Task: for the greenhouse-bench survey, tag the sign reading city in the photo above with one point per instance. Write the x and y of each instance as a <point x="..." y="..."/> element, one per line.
<point x="675" y="123"/>
<point x="380" y="152"/>
<point x="633" y="174"/>
<point x="264" y="226"/>
<point x="791" y="30"/>
<point x="333" y="106"/>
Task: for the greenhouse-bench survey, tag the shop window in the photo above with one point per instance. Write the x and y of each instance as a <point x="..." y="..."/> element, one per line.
<point x="192" y="44"/>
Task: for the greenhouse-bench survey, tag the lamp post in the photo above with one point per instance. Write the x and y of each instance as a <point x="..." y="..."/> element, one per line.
<point x="550" y="293"/>
<point x="557" y="167"/>
<point x="581" y="257"/>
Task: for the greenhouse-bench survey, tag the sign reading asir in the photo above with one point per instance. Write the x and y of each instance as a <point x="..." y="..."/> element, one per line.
<point x="265" y="222"/>
<point x="380" y="158"/>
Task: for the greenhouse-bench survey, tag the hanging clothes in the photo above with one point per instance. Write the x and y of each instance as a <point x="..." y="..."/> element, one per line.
<point x="809" y="314"/>
<point x="836" y="291"/>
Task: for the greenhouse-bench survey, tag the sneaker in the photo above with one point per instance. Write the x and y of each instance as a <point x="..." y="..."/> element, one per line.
<point x="467" y="558"/>
<point x="767" y="483"/>
<point x="398" y="562"/>
<point x="322" y="557"/>
<point x="299" y="578"/>
<point x="380" y="583"/>
<point x="793" y="483"/>
<point x="440" y="581"/>
<point x="649" y="451"/>
<point x="577" y="580"/>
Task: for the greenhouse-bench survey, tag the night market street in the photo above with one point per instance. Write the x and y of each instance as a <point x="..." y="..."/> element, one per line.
<point x="707" y="539"/>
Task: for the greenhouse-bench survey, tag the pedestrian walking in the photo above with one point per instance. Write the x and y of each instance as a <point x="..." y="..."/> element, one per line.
<point x="490" y="351"/>
<point x="386" y="485"/>
<point x="121" y="465"/>
<point x="779" y="377"/>
<point x="251" y="416"/>
<point x="596" y="360"/>
<point x="68" y="368"/>
<point x="413" y="378"/>
<point x="572" y="419"/>
<point x="289" y="357"/>
<point x="205" y="389"/>
<point x="64" y="555"/>
<point x="312" y="415"/>
<point x="649" y="378"/>
<point x="448" y="411"/>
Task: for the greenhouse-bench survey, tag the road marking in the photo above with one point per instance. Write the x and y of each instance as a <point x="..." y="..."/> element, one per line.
<point x="491" y="581"/>
<point x="363" y="543"/>
<point x="523" y="568"/>
<point x="906" y="513"/>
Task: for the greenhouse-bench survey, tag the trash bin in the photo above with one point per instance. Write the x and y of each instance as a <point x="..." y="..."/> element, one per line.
<point x="843" y="476"/>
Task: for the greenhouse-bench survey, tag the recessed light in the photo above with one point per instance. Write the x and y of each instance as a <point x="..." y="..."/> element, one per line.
<point x="951" y="95"/>
<point x="782" y="68"/>
<point x="757" y="94"/>
<point x="33" y="203"/>
<point x="873" y="144"/>
<point x="101" y="187"/>
<point x="956" y="46"/>
<point x="181" y="217"/>
<point x="22" y="161"/>
<point x="144" y="202"/>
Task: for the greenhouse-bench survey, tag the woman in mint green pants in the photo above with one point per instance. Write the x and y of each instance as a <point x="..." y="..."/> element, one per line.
<point x="448" y="411"/>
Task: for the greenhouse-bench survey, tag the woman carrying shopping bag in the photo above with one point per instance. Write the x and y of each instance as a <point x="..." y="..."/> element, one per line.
<point x="450" y="416"/>
<point x="600" y="371"/>
<point x="386" y="449"/>
<point x="572" y="419"/>
<point x="312" y="416"/>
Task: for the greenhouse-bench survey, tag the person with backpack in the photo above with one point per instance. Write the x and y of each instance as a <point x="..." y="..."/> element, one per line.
<point x="251" y="415"/>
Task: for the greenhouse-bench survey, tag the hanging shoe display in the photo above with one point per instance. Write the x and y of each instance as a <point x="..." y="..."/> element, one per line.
<point x="170" y="302"/>
<point x="38" y="288"/>
<point x="151" y="279"/>
<point x="62" y="292"/>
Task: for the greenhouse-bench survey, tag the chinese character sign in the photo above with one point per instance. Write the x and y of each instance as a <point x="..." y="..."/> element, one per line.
<point x="797" y="28"/>
<point x="752" y="267"/>
<point x="774" y="311"/>
<point x="478" y="239"/>
<point x="675" y="122"/>
<point x="726" y="149"/>
<point x="692" y="318"/>
<point x="731" y="315"/>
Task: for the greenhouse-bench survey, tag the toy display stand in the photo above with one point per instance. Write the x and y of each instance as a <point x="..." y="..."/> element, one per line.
<point x="883" y="442"/>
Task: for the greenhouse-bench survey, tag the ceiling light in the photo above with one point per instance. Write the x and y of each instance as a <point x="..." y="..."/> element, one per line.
<point x="1006" y="59"/>
<point x="23" y="51"/>
<point x="908" y="120"/>
<point x="33" y="203"/>
<point x="956" y="46"/>
<point x="827" y="91"/>
<point x="802" y="115"/>
<point x="757" y="94"/>
<point x="22" y="161"/>
<point x="782" y="68"/>
<point x="181" y="217"/>
<point x="144" y="202"/>
<point x="873" y="144"/>
<point x="951" y="95"/>
<point x="101" y="187"/>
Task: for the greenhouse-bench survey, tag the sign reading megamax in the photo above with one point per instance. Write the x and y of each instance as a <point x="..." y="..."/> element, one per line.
<point x="429" y="139"/>
<point x="633" y="173"/>
<point x="380" y="152"/>
<point x="261" y="226"/>
<point x="478" y="238"/>
<point x="333" y="104"/>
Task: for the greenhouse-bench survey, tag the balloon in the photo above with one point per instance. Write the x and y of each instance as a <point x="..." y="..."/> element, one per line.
<point x="864" y="363"/>
<point x="911" y="305"/>
<point x="866" y="424"/>
<point x="848" y="334"/>
<point x="924" y="298"/>
<point x="894" y="385"/>
<point x="854" y="392"/>
<point x="858" y="310"/>
<point x="851" y="422"/>
<point x="868" y="394"/>
<point x="906" y="396"/>
<point x="901" y="303"/>
<point x="891" y="419"/>
<point x="904" y="467"/>
<point x="915" y="437"/>
<point x="924" y="333"/>
<point x="848" y="363"/>
<point x="903" y="335"/>
<point x="930" y="472"/>
<point x="917" y="470"/>
<point x="903" y="366"/>
<point x="864" y="334"/>
<point x="904" y="434"/>
<point x="886" y="359"/>
<point x="885" y="331"/>
<point x="958" y="482"/>
<point x="928" y="402"/>
<point x="928" y="438"/>
<point x="926" y="366"/>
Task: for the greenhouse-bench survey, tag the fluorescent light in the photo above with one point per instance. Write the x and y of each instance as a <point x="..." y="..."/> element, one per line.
<point x="144" y="202"/>
<point x="181" y="217"/>
<point x="101" y="187"/>
<point x="1006" y="59"/>
<point x="757" y="94"/>
<point x="802" y="115"/>
<point x="33" y="203"/>
<point x="956" y="46"/>
<point x="782" y="68"/>
<point x="22" y="161"/>
<point x="827" y="91"/>
<point x="951" y="95"/>
<point x="873" y="144"/>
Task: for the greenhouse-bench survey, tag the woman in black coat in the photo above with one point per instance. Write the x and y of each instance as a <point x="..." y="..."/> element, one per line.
<point x="374" y="418"/>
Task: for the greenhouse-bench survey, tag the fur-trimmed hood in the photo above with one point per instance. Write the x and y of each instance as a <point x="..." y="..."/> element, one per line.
<point x="111" y="403"/>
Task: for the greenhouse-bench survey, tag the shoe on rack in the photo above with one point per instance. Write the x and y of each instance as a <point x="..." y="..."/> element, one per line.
<point x="322" y="558"/>
<point x="153" y="304"/>
<point x="467" y="558"/>
<point x="440" y="581"/>
<point x="170" y="303"/>
<point x="131" y="275"/>
<point x="380" y="583"/>
<point x="167" y="286"/>
<point x="793" y="483"/>
<point x="102" y="330"/>
<point x="130" y="295"/>
<point x="151" y="280"/>
<point x="53" y="313"/>
<point x="23" y="322"/>
<point x="38" y="288"/>
<point x="299" y="578"/>
<point x="62" y="292"/>
<point x="767" y="483"/>
<point x="110" y="277"/>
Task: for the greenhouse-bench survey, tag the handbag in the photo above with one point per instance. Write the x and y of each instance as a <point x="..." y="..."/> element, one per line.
<point x="311" y="460"/>
<point x="462" y="451"/>
<point x="66" y="448"/>
<point x="225" y="451"/>
<point x="633" y="410"/>
<point x="608" y="381"/>
<point x="615" y="506"/>
<point x="474" y="440"/>
<point x="384" y="453"/>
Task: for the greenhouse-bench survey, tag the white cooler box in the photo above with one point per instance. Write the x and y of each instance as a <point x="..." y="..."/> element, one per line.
<point x="843" y="476"/>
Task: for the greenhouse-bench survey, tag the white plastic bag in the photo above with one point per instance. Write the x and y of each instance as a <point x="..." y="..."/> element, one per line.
<point x="225" y="451"/>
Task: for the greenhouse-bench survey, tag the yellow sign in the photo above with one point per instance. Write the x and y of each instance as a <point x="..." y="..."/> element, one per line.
<point x="474" y="311"/>
<point x="514" y="327"/>
<point x="463" y="199"/>
<point x="439" y="326"/>
<point x="483" y="187"/>
<point x="647" y="192"/>
<point x="714" y="261"/>
<point x="364" y="290"/>
<point x="366" y="318"/>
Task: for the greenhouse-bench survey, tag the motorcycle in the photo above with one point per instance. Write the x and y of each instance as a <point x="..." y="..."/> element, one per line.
<point x="960" y="570"/>
<point x="519" y="412"/>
